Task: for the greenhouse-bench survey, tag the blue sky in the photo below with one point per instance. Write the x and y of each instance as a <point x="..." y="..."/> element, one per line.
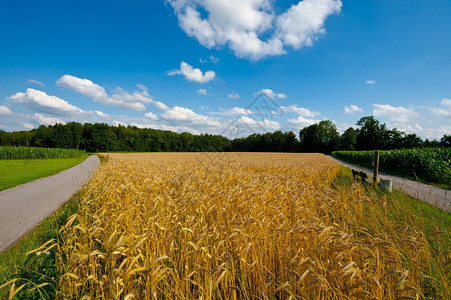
<point x="226" y="67"/>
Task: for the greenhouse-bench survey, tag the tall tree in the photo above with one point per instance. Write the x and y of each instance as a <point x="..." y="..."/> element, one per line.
<point x="348" y="139"/>
<point x="371" y="135"/>
<point x="445" y="141"/>
<point x="322" y="137"/>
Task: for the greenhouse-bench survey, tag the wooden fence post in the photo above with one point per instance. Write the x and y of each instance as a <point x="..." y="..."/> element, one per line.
<point x="375" y="167"/>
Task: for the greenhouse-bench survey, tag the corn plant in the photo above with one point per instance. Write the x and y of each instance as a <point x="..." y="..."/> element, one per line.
<point x="429" y="164"/>
<point x="37" y="153"/>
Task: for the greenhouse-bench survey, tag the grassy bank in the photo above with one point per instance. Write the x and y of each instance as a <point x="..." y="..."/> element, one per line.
<point x="18" y="171"/>
<point x="27" y="272"/>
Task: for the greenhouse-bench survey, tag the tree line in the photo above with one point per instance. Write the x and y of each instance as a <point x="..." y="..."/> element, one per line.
<point x="321" y="137"/>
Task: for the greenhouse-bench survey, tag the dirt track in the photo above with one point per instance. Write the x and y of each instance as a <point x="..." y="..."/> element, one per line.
<point x="25" y="206"/>
<point x="435" y="196"/>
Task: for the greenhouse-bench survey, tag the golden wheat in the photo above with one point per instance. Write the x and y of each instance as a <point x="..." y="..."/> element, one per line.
<point x="233" y="226"/>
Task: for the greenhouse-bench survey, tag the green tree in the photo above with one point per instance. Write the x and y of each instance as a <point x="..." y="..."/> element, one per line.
<point x="412" y="141"/>
<point x="60" y="136"/>
<point x="445" y="141"/>
<point x="348" y="139"/>
<point x="322" y="137"/>
<point x="371" y="134"/>
<point x="76" y="130"/>
<point x="98" y="137"/>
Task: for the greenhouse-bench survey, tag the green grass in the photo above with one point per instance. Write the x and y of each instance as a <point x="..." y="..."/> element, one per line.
<point x="403" y="210"/>
<point x="18" y="171"/>
<point x="33" y="269"/>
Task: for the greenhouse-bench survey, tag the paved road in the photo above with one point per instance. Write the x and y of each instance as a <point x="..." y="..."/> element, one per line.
<point x="25" y="206"/>
<point x="435" y="196"/>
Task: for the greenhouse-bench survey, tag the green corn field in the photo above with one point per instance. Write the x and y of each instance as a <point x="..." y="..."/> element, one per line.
<point x="38" y="153"/>
<point x="427" y="164"/>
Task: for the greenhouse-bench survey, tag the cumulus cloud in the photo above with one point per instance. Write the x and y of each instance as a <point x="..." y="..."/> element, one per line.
<point x="304" y="112"/>
<point x="241" y="24"/>
<point x="214" y="59"/>
<point x="27" y="126"/>
<point x="36" y="82"/>
<point x="119" y="98"/>
<point x="234" y="111"/>
<point x="446" y="102"/>
<point x="40" y="101"/>
<point x="193" y="74"/>
<point x="271" y="94"/>
<point x="396" y="114"/>
<point x="151" y="116"/>
<point x="41" y="119"/>
<point x="202" y="92"/>
<point x="4" y="110"/>
<point x="252" y="125"/>
<point x="370" y="82"/>
<point x="185" y="116"/>
<point x="352" y="109"/>
<point x="233" y="95"/>
<point x="443" y="112"/>
<point x="302" y="23"/>
<point x="301" y="122"/>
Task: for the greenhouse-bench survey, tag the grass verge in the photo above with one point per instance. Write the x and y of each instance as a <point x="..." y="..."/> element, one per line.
<point x="36" y="272"/>
<point x="397" y="213"/>
<point x="16" y="172"/>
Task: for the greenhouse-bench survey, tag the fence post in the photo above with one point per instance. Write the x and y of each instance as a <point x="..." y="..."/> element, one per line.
<point x="375" y="167"/>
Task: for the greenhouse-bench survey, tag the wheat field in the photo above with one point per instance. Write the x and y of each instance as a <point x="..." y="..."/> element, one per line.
<point x="234" y="226"/>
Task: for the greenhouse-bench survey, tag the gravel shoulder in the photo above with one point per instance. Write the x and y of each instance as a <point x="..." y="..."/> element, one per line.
<point x="435" y="196"/>
<point x="25" y="206"/>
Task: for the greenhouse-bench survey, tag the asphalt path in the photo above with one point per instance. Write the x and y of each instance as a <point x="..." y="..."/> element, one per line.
<point x="435" y="196"/>
<point x="25" y="206"/>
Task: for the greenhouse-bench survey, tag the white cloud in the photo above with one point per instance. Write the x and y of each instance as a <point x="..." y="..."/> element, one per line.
<point x="4" y="110"/>
<point x="193" y="74"/>
<point x="36" y="82"/>
<point x="202" y="61"/>
<point x="202" y="92"/>
<point x="214" y="59"/>
<point x="47" y="120"/>
<point x="40" y="101"/>
<point x="352" y="109"/>
<point x="27" y="126"/>
<point x="443" y="112"/>
<point x="241" y="24"/>
<point x="83" y="86"/>
<point x="271" y="94"/>
<point x="254" y="125"/>
<point x="446" y="102"/>
<point x="235" y="111"/>
<point x="233" y="95"/>
<point x="301" y="24"/>
<point x="185" y="116"/>
<point x="101" y="114"/>
<point x="370" y="82"/>
<point x="142" y="87"/>
<point x="151" y="116"/>
<point x="120" y="98"/>
<point x="301" y="122"/>
<point x="396" y="114"/>
<point x="305" y="112"/>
